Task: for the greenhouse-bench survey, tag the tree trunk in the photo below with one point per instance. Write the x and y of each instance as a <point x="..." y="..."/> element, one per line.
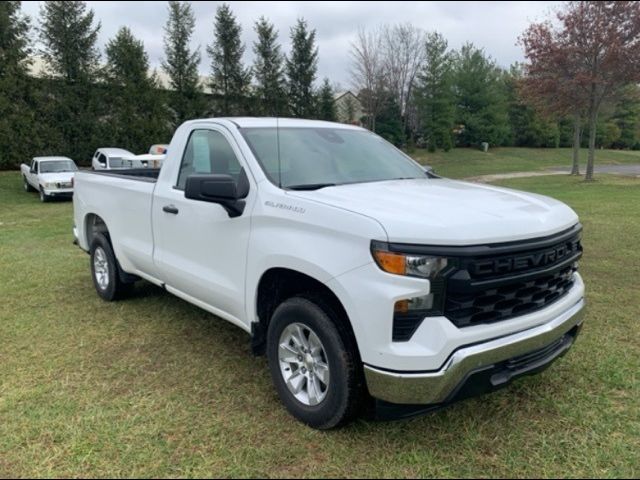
<point x="593" y="120"/>
<point x="575" y="169"/>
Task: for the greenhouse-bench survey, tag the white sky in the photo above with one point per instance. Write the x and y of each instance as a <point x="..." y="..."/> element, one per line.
<point x="494" y="26"/>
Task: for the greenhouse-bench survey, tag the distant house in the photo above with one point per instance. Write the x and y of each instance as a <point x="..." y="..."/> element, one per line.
<point x="38" y="69"/>
<point x="348" y="108"/>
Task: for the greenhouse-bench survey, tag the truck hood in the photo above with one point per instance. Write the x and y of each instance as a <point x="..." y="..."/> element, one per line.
<point x="448" y="212"/>
<point x="56" y="177"/>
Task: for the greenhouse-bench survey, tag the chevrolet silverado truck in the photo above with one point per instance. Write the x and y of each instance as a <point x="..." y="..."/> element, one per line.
<point x="368" y="281"/>
<point x="49" y="176"/>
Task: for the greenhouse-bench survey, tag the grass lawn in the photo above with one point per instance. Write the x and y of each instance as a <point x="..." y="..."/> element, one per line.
<point x="153" y="387"/>
<point x="467" y="162"/>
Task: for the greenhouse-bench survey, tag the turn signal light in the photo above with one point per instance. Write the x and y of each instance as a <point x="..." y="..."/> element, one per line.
<point x="391" y="262"/>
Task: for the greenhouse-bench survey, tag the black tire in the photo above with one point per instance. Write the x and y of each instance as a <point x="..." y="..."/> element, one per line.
<point x="344" y="393"/>
<point x="27" y="185"/>
<point x="44" y="198"/>
<point x="113" y="288"/>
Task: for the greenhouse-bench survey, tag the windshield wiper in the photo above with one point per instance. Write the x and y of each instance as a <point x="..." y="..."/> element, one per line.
<point x="311" y="186"/>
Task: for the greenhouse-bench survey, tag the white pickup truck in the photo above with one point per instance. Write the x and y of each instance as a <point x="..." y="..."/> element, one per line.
<point x="50" y="176"/>
<point x="120" y="159"/>
<point x="370" y="283"/>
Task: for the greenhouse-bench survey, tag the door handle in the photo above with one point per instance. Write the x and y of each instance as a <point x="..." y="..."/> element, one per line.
<point x="170" y="209"/>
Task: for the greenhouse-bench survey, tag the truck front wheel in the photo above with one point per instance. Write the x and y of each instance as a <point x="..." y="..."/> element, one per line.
<point x="313" y="365"/>
<point x="27" y="186"/>
<point x="44" y="198"/>
<point x="104" y="270"/>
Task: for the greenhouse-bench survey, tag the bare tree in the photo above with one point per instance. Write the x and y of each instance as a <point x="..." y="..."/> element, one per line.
<point x="367" y="72"/>
<point x="403" y="56"/>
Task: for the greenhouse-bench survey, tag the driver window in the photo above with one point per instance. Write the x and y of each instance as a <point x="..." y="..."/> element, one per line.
<point x="207" y="151"/>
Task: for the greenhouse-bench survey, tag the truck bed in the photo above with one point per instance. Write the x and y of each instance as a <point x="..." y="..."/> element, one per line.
<point x="139" y="174"/>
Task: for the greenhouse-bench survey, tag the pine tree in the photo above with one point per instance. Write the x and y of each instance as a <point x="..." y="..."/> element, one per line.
<point x="434" y="94"/>
<point x="14" y="41"/>
<point x="229" y="79"/>
<point x="186" y="99"/>
<point x="389" y="121"/>
<point x="626" y="116"/>
<point x="528" y="128"/>
<point x="137" y="117"/>
<point x="301" y="68"/>
<point x="268" y="70"/>
<point x="480" y="98"/>
<point x="68" y="35"/>
<point x="18" y="118"/>
<point x="127" y="62"/>
<point x="326" y="105"/>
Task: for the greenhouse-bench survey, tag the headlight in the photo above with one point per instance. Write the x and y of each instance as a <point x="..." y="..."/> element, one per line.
<point x="408" y="313"/>
<point x="51" y="185"/>
<point x="423" y="266"/>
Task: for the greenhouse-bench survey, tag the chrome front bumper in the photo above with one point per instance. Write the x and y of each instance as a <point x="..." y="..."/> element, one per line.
<point x="439" y="386"/>
<point x="68" y="192"/>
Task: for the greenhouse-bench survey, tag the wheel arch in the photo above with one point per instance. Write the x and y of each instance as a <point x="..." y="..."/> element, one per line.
<point x="278" y="284"/>
<point x="94" y="224"/>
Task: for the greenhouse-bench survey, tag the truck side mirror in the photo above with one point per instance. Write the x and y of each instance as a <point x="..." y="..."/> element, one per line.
<point x="32" y="170"/>
<point x="430" y="171"/>
<point x="221" y="189"/>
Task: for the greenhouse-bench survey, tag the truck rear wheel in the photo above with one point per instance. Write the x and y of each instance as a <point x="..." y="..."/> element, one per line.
<point x="313" y="365"/>
<point x="105" y="270"/>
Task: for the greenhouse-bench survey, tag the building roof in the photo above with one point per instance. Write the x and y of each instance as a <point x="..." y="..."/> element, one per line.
<point x="338" y="95"/>
<point x="38" y="68"/>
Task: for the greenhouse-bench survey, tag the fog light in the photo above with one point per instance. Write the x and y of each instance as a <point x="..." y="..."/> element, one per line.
<point x="414" y="304"/>
<point x="408" y="314"/>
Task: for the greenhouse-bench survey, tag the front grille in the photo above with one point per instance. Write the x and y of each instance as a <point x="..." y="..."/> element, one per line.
<point x="508" y="301"/>
<point x="486" y="288"/>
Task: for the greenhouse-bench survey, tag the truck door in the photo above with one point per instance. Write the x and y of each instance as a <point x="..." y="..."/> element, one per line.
<point x="200" y="250"/>
<point x="33" y="175"/>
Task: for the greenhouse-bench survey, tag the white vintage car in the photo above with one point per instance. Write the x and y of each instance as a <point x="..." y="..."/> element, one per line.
<point x="113" y="159"/>
<point x="51" y="176"/>
<point x="120" y="159"/>
<point x="146" y="160"/>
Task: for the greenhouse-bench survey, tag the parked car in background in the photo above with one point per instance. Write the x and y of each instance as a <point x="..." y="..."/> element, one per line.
<point x="158" y="149"/>
<point x="112" y="159"/>
<point x="356" y="271"/>
<point x="50" y="176"/>
<point x="145" y="161"/>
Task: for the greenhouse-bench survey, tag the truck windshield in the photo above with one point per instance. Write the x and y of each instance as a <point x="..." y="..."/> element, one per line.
<point x="56" y="166"/>
<point x="312" y="158"/>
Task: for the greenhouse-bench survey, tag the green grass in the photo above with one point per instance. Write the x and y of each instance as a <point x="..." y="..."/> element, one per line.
<point x="153" y="387"/>
<point x="467" y="162"/>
